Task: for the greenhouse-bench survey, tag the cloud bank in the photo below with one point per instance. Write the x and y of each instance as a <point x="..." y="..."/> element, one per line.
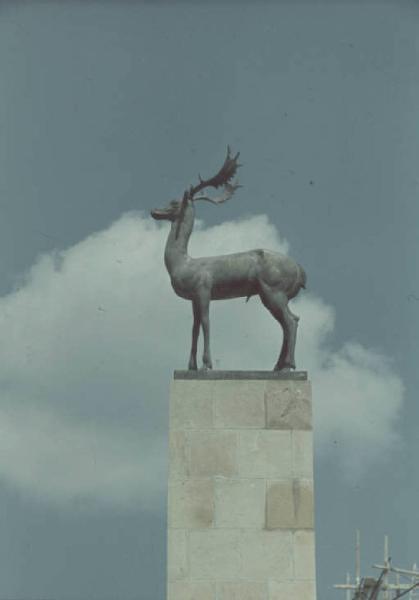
<point x="90" y="339"/>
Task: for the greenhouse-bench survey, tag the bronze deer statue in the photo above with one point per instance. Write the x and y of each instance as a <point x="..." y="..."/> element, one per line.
<point x="276" y="278"/>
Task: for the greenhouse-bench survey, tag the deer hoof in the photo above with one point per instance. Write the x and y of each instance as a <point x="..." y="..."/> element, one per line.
<point x="283" y="368"/>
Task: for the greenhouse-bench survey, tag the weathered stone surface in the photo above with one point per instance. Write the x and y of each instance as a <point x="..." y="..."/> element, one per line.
<point x="191" y="503"/>
<point x="239" y="404"/>
<point x="215" y="554"/>
<point x="289" y="504"/>
<point x="302" y="452"/>
<point x="304" y="563"/>
<point x="191" y="590"/>
<point x="288" y="405"/>
<point x="178" y="455"/>
<point x="266" y="554"/>
<point x="279" y="505"/>
<point x="213" y="453"/>
<point x="265" y="454"/>
<point x="240" y="503"/>
<point x="177" y="554"/>
<point x="191" y="405"/>
<point x="292" y="590"/>
<point x="248" y="590"/>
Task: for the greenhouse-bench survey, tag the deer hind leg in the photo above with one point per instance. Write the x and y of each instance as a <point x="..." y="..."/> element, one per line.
<point x="286" y="358"/>
<point x="195" y="334"/>
<point x="277" y="304"/>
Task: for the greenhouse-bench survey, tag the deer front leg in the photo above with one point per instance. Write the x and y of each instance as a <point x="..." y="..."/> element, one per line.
<point x="195" y="333"/>
<point x="203" y="306"/>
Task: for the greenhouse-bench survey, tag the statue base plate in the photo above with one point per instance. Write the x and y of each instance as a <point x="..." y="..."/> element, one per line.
<point x="238" y="375"/>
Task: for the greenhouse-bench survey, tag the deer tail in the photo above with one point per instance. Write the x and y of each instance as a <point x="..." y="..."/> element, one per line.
<point x="302" y="277"/>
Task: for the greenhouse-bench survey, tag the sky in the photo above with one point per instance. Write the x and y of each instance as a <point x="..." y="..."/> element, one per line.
<point x="109" y="109"/>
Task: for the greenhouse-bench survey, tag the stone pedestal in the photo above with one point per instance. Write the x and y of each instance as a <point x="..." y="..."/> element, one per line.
<point x="240" y="506"/>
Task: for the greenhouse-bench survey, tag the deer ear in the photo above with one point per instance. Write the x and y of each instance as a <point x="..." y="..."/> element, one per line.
<point x="187" y="197"/>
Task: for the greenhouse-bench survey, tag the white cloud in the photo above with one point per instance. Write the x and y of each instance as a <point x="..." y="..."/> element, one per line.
<point x="50" y="457"/>
<point x="359" y="401"/>
<point x="89" y="342"/>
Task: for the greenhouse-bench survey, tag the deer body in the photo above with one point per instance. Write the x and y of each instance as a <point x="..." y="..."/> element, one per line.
<point x="276" y="278"/>
<point x="227" y="276"/>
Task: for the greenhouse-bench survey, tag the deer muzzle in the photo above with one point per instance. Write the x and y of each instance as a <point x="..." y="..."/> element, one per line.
<point x="159" y="214"/>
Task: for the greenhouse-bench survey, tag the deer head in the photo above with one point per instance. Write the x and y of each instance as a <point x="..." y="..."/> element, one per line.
<point x="170" y="213"/>
<point x="176" y="209"/>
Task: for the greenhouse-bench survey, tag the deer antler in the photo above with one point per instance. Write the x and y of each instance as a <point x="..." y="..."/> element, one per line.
<point x="229" y="189"/>
<point x="223" y="177"/>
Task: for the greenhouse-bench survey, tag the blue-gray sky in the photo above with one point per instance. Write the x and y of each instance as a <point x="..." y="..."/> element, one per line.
<point x="111" y="107"/>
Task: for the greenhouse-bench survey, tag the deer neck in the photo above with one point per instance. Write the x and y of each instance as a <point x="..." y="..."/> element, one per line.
<point x="177" y="243"/>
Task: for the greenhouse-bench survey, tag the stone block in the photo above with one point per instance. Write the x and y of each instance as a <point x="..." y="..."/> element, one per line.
<point x="292" y="590"/>
<point x="289" y="504"/>
<point x="266" y="554"/>
<point x="177" y="554"/>
<point x="240" y="503"/>
<point x="215" y="554"/>
<point x="191" y="405"/>
<point x="191" y="590"/>
<point x="302" y="452"/>
<point x="265" y="454"/>
<point x="239" y="404"/>
<point x="304" y="561"/>
<point x="248" y="590"/>
<point x="178" y="455"/>
<point x="288" y="405"/>
<point x="279" y="505"/>
<point x="191" y="503"/>
<point x="213" y="453"/>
